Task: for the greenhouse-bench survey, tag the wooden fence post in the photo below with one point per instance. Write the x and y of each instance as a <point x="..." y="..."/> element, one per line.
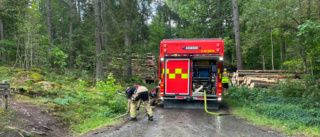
<point x="5" y="96"/>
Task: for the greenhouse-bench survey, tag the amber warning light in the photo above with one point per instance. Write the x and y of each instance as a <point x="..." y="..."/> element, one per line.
<point x="191" y="48"/>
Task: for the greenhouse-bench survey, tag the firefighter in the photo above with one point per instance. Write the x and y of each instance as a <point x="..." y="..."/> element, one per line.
<point x="135" y="94"/>
<point x="154" y="96"/>
<point x="225" y="81"/>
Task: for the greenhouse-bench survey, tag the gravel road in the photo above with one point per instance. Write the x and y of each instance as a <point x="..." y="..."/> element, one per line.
<point x="184" y="123"/>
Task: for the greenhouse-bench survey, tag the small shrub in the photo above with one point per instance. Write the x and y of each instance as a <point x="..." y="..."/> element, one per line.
<point x="65" y="101"/>
<point x="114" y="102"/>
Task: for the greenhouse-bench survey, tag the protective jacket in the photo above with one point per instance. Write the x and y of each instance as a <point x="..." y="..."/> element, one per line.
<point x="225" y="78"/>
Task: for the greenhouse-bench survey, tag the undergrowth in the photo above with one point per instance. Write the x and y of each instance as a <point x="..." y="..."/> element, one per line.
<point x="76" y="99"/>
<point x="293" y="107"/>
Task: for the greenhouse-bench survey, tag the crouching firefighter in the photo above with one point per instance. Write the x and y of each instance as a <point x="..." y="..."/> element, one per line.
<point x="134" y="94"/>
<point x="154" y="96"/>
<point x="225" y="81"/>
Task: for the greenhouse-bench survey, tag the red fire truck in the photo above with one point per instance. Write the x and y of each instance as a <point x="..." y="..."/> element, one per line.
<point x="187" y="68"/>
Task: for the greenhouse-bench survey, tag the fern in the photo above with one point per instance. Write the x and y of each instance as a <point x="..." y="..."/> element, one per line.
<point x="65" y="101"/>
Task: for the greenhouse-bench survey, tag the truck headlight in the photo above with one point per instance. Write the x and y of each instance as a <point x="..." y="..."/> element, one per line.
<point x="219" y="99"/>
<point x="221" y="58"/>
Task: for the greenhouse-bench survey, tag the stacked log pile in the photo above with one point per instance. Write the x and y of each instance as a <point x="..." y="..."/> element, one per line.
<point x="143" y="66"/>
<point x="262" y="78"/>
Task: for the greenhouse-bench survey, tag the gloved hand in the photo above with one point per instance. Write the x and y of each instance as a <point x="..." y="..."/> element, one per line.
<point x="138" y="108"/>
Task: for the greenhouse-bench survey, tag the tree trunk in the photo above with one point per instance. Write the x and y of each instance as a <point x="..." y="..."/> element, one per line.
<point x="127" y="38"/>
<point x="308" y="2"/>
<point x="272" y="51"/>
<point x="104" y="24"/>
<point x="319" y="8"/>
<point x="70" y="36"/>
<point x="285" y="49"/>
<point x="104" y="37"/>
<point x="3" y="55"/>
<point x="281" y="36"/>
<point x="304" y="59"/>
<point x="89" y="7"/>
<point x="99" y="73"/>
<point x="311" y="67"/>
<point x="263" y="62"/>
<point x="220" y="18"/>
<point x="237" y="33"/>
<point x="79" y="12"/>
<point x="49" y="25"/>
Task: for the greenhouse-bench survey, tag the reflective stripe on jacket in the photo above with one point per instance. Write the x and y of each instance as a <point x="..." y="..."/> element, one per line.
<point x="225" y="78"/>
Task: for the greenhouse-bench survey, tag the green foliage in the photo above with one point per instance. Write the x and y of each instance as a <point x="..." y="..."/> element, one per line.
<point x="295" y="104"/>
<point x="6" y="116"/>
<point x="308" y="32"/>
<point x="137" y="80"/>
<point x="115" y="103"/>
<point x="58" y="57"/>
<point x="65" y="101"/>
<point x="294" y="64"/>
<point x="73" y="98"/>
<point x="306" y="88"/>
<point x="35" y="77"/>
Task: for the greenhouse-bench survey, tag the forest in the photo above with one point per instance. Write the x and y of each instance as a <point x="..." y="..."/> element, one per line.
<point x="75" y="45"/>
<point x="86" y="35"/>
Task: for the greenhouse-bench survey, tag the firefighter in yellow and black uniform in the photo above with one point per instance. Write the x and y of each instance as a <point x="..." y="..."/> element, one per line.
<point x="225" y="81"/>
<point x="134" y="95"/>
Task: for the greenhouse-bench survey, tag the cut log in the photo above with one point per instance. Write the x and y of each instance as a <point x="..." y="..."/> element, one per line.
<point x="271" y="76"/>
<point x="240" y="80"/>
<point x="262" y="85"/>
<point x="241" y="74"/>
<point x="151" y="57"/>
<point x="260" y="80"/>
<point x="269" y="71"/>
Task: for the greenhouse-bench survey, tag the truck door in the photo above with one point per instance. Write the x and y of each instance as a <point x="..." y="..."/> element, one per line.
<point x="177" y="76"/>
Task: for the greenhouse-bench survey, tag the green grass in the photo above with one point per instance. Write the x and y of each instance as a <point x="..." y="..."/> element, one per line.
<point x="6" y="116"/>
<point x="73" y="98"/>
<point x="290" y="115"/>
<point x="275" y="124"/>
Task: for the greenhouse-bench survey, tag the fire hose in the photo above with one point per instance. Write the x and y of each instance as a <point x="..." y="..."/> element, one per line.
<point x="205" y="106"/>
<point x="129" y="109"/>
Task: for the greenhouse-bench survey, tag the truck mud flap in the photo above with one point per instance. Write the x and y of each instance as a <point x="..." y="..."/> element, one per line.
<point x="183" y="104"/>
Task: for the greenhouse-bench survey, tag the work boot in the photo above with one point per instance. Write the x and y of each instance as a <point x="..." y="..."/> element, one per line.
<point x="150" y="118"/>
<point x="133" y="119"/>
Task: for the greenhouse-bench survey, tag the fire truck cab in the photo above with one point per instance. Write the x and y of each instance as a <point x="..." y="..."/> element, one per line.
<point x="187" y="68"/>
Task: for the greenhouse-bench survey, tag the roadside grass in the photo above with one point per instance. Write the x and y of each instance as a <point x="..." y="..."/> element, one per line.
<point x="250" y="114"/>
<point x="73" y="97"/>
<point x="6" y="117"/>
<point x="290" y="115"/>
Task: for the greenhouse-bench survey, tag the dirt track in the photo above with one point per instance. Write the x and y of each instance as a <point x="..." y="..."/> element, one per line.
<point x="32" y="119"/>
<point x="184" y="123"/>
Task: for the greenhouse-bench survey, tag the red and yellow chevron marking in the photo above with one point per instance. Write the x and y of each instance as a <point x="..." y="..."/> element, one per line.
<point x="176" y="73"/>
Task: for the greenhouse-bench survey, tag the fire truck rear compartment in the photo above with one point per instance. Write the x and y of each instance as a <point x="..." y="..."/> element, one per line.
<point x="204" y="76"/>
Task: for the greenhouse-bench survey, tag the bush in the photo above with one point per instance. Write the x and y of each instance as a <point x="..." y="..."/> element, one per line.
<point x="308" y="87"/>
<point x="291" y="102"/>
<point x="115" y="102"/>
